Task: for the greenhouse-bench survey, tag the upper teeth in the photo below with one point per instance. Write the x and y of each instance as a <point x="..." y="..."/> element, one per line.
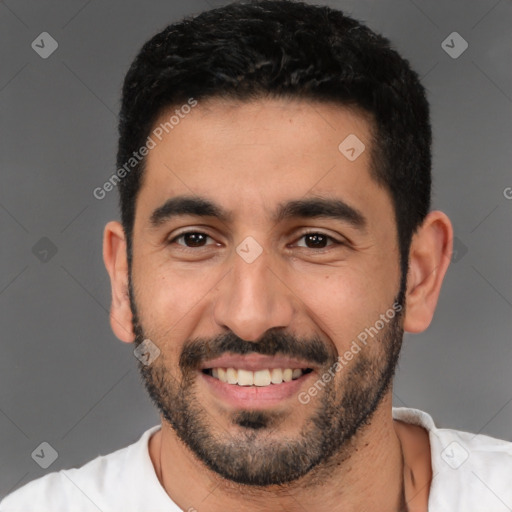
<point x="258" y="378"/>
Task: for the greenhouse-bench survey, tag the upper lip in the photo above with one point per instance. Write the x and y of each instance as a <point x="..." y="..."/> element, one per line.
<point x="255" y="362"/>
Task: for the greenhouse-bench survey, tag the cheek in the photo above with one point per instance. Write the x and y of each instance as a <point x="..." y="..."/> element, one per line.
<point x="338" y="299"/>
<point x="170" y="298"/>
<point x="342" y="302"/>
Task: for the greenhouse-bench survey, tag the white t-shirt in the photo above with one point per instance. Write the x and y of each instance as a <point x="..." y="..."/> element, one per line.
<point x="471" y="473"/>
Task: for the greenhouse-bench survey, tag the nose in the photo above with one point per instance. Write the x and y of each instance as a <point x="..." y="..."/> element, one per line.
<point x="253" y="298"/>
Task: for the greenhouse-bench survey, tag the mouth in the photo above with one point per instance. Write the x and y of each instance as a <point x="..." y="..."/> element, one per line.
<point x="239" y="388"/>
<point x="255" y="381"/>
<point x="260" y="378"/>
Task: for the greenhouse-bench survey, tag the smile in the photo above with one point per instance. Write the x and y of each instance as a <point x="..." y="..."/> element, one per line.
<point x="260" y="378"/>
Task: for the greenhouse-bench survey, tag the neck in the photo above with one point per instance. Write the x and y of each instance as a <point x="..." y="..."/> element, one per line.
<point x="368" y="475"/>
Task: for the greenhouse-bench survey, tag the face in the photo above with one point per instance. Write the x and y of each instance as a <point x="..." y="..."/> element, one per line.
<point x="263" y="256"/>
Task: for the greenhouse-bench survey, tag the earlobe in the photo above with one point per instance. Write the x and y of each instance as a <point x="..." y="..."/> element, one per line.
<point x="429" y="258"/>
<point x="115" y="259"/>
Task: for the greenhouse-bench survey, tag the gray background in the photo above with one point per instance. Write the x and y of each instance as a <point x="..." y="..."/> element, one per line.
<point x="65" y="378"/>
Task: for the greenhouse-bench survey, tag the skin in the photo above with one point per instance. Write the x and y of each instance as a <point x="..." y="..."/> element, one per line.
<point x="249" y="157"/>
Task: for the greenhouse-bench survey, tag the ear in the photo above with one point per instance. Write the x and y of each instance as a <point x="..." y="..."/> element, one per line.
<point x="115" y="259"/>
<point x="429" y="257"/>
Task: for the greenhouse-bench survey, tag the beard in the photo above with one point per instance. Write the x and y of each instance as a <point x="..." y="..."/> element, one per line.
<point x="255" y="454"/>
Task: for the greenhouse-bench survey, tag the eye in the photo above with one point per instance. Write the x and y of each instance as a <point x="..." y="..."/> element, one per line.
<point x="311" y="240"/>
<point x="315" y="240"/>
<point x="191" y="239"/>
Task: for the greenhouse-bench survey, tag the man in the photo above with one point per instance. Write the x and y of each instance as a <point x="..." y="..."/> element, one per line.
<point x="276" y="241"/>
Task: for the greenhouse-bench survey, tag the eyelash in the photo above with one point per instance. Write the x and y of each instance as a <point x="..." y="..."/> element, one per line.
<point x="329" y="238"/>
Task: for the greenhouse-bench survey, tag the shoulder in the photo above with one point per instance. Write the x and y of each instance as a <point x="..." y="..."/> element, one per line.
<point x="50" y="492"/>
<point x="55" y="491"/>
<point x="471" y="472"/>
<point x="87" y="488"/>
<point x="473" y="469"/>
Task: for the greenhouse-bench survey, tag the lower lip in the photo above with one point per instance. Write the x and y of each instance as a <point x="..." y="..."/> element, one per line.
<point x="254" y="397"/>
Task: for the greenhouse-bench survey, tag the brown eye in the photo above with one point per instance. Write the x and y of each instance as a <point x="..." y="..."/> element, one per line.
<point x="317" y="241"/>
<point x="191" y="239"/>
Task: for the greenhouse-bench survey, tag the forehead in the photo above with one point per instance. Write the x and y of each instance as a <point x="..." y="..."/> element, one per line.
<point x="260" y="153"/>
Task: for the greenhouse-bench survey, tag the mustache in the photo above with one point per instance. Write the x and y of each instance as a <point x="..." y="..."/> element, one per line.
<point x="274" y="342"/>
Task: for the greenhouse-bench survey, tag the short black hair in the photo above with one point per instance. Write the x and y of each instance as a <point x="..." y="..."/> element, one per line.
<point x="285" y="49"/>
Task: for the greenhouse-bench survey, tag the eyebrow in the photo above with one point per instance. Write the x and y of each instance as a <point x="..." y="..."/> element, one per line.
<point x="187" y="205"/>
<point x="310" y="208"/>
